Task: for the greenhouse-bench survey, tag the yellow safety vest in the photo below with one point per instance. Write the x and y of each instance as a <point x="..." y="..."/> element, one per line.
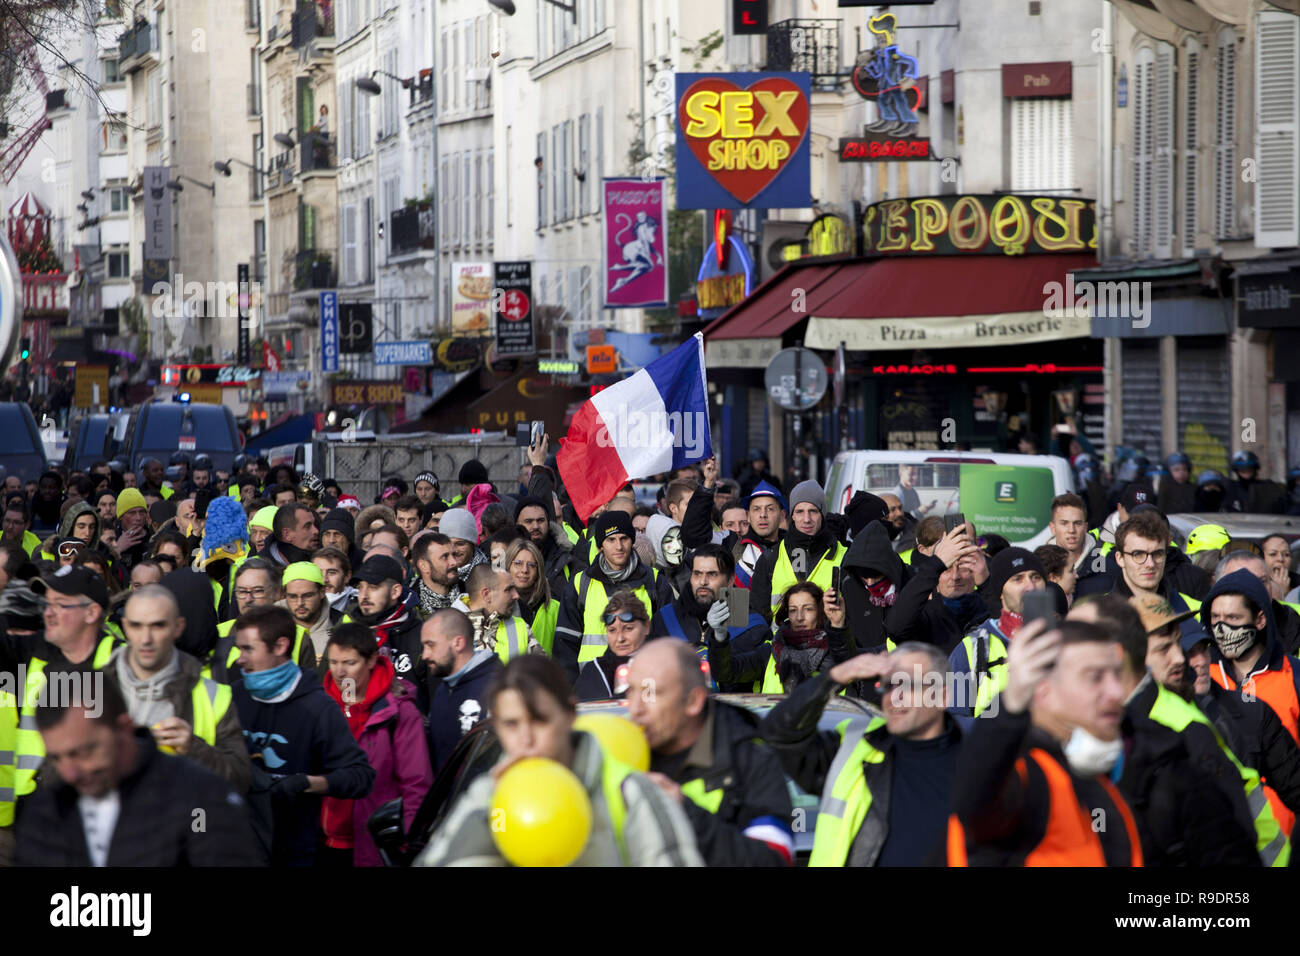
<point x="223" y="630"/>
<point x="593" y="598"/>
<point x="29" y="748"/>
<point x="784" y="578"/>
<point x="708" y="800"/>
<point x="544" y="623"/>
<point x="612" y="775"/>
<point x="990" y="683"/>
<point x="512" y="638"/>
<point x="210" y="700"/>
<point x="1173" y="712"/>
<point x="31" y="542"/>
<point x="846" y="798"/>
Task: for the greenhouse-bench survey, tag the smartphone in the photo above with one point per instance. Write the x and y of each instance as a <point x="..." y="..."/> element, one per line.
<point x="523" y="434"/>
<point x="1040" y="604"/>
<point x="954" y="520"/>
<point x="835" y="580"/>
<point x="538" y="429"/>
<point x="738" y="603"/>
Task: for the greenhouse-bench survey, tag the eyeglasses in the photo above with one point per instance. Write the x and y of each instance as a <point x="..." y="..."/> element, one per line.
<point x="1141" y="557"/>
<point x="627" y="617"/>
<point x="242" y="593"/>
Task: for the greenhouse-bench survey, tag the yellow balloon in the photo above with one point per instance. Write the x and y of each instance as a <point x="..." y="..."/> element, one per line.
<point x="541" y="814"/>
<point x="619" y="737"/>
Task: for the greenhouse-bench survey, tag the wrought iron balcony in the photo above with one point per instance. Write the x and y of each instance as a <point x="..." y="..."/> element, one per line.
<point x="806" y="46"/>
<point x="316" y="151"/>
<point x="313" y="270"/>
<point x="412" y="228"/>
<point x="133" y="42"/>
<point x="422" y="89"/>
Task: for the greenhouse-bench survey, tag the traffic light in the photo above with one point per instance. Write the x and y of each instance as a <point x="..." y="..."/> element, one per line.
<point x="24" y="349"/>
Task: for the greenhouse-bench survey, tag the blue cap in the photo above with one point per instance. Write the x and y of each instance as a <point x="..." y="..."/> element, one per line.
<point x="763" y="489"/>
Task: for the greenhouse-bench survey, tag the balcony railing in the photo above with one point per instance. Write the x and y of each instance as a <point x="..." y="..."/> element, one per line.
<point x="254" y="93"/>
<point x="412" y="228"/>
<point x="280" y="171"/>
<point x="806" y="46"/>
<point x="422" y="89"/>
<point x="311" y="20"/>
<point x="313" y="270"/>
<point x="316" y="151"/>
<point x="134" y="41"/>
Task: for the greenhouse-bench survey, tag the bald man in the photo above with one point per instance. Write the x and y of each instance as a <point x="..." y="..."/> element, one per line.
<point x="707" y="756"/>
<point x="191" y="716"/>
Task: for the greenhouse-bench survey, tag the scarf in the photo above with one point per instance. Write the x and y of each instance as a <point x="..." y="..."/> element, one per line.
<point x="799" y="654"/>
<point x="1009" y="622"/>
<point x="474" y="562"/>
<point x="381" y="621"/>
<point x="882" y="593"/>
<point x="431" y="601"/>
<point x="617" y="577"/>
<point x="269" y="685"/>
<point x="964" y="606"/>
<point x="145" y="696"/>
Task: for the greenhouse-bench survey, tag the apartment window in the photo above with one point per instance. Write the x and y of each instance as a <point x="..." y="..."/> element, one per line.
<point x="119" y="265"/>
<point x="478" y="197"/>
<point x="155" y="98"/>
<point x="1143" y="94"/>
<point x="392" y="99"/>
<point x="1225" y="127"/>
<point x="455" y="80"/>
<point x="118" y="200"/>
<point x="489" y="172"/>
<point x="1277" y="107"/>
<point x="111" y="72"/>
<point x="584" y="163"/>
<point x="350" y="245"/>
<point x="345" y="122"/>
<point x="1191" y="166"/>
<point x="114" y="137"/>
<point x="454" y="169"/>
<point x="259" y="162"/>
<point x="599" y="170"/>
<point x="1042" y="149"/>
<point x="567" y="172"/>
<point x="467" y="197"/>
<point x="259" y="251"/>
<point x="443" y="212"/>
<point x="444" y="71"/>
<point x="1163" y="223"/>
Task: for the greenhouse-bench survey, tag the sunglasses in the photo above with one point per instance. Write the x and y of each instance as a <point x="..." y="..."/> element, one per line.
<point x="627" y="617"/>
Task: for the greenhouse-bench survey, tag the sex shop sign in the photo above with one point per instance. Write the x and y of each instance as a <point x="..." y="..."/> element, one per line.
<point x="743" y="140"/>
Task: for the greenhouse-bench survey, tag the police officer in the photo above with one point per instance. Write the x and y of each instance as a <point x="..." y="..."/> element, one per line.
<point x="808" y="552"/>
<point x="885" y="782"/>
<point x="1177" y="493"/>
<point x="579" y="632"/>
<point x="1249" y="492"/>
<point x="707" y="755"/>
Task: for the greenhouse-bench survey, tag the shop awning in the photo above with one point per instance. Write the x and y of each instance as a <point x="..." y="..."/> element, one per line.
<point x="911" y="302"/>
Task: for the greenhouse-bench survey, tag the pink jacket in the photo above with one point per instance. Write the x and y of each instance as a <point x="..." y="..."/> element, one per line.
<point x="396" y="745"/>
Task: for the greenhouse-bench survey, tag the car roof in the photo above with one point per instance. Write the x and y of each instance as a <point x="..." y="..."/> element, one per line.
<point x="1248" y="527"/>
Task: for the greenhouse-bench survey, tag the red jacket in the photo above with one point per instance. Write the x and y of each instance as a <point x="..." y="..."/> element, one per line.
<point x="393" y="739"/>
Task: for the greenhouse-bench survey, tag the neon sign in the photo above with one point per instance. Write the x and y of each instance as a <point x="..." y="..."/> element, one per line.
<point x="727" y="272"/>
<point x="879" y="147"/>
<point x="979" y="225"/>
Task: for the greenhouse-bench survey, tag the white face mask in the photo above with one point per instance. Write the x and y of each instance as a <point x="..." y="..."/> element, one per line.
<point x="1089" y="755"/>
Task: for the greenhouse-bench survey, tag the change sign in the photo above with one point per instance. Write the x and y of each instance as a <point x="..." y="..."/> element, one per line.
<point x="512" y="298"/>
<point x="329" y="331"/>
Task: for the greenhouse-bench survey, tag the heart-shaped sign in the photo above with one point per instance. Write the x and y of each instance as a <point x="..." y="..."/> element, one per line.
<point x="743" y="138"/>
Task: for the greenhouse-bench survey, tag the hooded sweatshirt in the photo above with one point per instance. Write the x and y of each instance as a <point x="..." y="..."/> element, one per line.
<point x="70" y="518"/>
<point x="458" y="704"/>
<point x="656" y="530"/>
<point x="304" y="733"/>
<point x="870" y="554"/>
<point x="1276" y="675"/>
<point x="146" y="698"/>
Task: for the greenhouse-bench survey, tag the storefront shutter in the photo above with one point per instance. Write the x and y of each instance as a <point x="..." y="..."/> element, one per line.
<point x="1164" y="152"/>
<point x="1204" y="402"/>
<point x="1277" y="106"/>
<point x="1225" y="125"/>
<point x="1191" y="168"/>
<point x="1140" y="388"/>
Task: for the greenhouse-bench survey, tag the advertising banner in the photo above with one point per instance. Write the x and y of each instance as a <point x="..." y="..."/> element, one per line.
<point x="157" y="213"/>
<point x="514" y="307"/>
<point x="636" y="271"/>
<point x="471" y="298"/>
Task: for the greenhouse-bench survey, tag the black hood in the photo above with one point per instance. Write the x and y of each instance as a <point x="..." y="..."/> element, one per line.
<point x="193" y="592"/>
<point x="871" y="551"/>
<point x="1243" y="582"/>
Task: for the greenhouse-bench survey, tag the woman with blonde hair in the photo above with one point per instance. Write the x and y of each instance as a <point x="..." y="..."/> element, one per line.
<point x="527" y="570"/>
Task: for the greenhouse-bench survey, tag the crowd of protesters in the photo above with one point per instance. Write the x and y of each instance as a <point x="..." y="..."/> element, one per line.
<point x="264" y="650"/>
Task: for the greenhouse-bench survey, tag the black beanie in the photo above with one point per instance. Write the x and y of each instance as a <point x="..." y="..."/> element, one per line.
<point x="472" y="473"/>
<point x="613" y="522"/>
<point x="1009" y="563"/>
<point x="340" y="519"/>
<point x="863" y="509"/>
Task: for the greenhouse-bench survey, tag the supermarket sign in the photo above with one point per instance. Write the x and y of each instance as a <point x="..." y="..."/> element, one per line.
<point x="403" y="353"/>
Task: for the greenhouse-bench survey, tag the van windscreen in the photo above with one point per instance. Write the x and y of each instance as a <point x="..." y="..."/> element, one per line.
<point x="163" y="429"/>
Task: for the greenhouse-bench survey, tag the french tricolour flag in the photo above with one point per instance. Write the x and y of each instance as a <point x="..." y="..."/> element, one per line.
<point x="651" y="422"/>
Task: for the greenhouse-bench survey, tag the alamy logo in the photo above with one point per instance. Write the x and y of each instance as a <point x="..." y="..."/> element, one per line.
<point x="75" y="909"/>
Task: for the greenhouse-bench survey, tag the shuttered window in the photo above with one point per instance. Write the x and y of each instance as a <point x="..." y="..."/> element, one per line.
<point x="541" y="181"/>
<point x="1191" y="126"/>
<point x="1143" y="147"/>
<point x="1042" y="147"/>
<point x="1204" y="403"/>
<point x="1277" y="106"/>
<point x="1225" y="127"/>
<point x="350" y="245"/>
<point x="1163" y="196"/>
<point x="1140" y="387"/>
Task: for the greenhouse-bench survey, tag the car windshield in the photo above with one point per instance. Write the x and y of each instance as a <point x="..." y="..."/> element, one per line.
<point x="164" y="428"/>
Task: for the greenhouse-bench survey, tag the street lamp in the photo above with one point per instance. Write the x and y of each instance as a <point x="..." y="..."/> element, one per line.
<point x="367" y="84"/>
<point x="87" y="194"/>
<point x="177" y="186"/>
<point x="224" y="168"/>
<point x="508" y="7"/>
<point x="284" y="139"/>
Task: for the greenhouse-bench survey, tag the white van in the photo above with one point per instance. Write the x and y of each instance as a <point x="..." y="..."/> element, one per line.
<point x="1010" y="495"/>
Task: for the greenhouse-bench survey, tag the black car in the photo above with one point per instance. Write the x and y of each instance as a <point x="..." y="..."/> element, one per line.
<point x="160" y="429"/>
